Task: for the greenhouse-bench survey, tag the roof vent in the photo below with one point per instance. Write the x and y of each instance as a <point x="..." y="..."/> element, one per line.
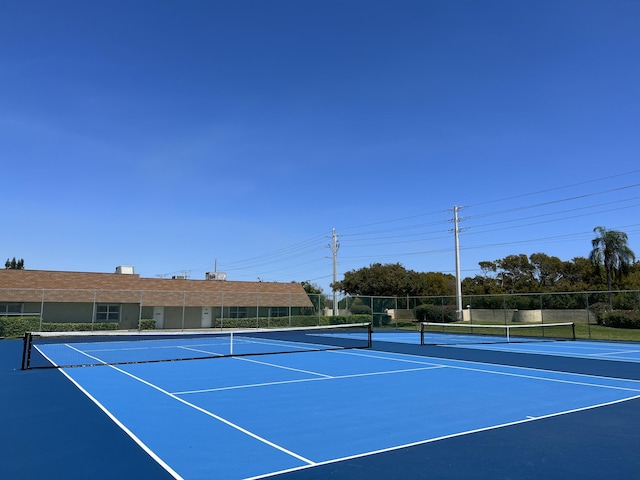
<point x="219" y="276"/>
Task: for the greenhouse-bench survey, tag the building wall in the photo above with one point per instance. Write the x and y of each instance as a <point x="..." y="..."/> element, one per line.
<point x="82" y="313"/>
<point x="67" y="312"/>
<point x="173" y="317"/>
<point x="30" y="309"/>
<point x="499" y="316"/>
<point x="129" y="316"/>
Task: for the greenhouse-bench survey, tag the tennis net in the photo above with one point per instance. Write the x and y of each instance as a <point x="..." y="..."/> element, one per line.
<point x="459" y="333"/>
<point x="76" y="349"/>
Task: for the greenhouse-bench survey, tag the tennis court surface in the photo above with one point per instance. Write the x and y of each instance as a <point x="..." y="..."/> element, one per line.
<point x="331" y="408"/>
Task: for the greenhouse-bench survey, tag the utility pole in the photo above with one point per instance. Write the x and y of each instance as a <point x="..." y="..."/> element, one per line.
<point x="334" y="250"/>
<point x="458" y="284"/>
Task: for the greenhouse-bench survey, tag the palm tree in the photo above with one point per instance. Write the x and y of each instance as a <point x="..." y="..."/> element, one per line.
<point x="610" y="250"/>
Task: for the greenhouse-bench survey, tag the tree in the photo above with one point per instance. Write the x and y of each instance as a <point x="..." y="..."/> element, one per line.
<point x="610" y="249"/>
<point x="316" y="295"/>
<point x="547" y="271"/>
<point x="537" y="273"/>
<point x="517" y="273"/>
<point x="14" y="264"/>
<point x="378" y="280"/>
<point x="433" y="284"/>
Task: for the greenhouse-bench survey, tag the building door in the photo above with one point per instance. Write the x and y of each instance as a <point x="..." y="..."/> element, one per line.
<point x="206" y="317"/>
<point x="158" y="316"/>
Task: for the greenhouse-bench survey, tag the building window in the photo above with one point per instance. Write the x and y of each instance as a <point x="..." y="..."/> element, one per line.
<point x="237" y="312"/>
<point x="7" y="309"/>
<point x="108" y="313"/>
<point x="279" y="311"/>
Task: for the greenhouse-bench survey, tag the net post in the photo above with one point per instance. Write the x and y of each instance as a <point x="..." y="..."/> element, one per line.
<point x="26" y="351"/>
<point x="370" y="335"/>
<point x="573" y="330"/>
<point x="231" y="343"/>
<point x="421" y="333"/>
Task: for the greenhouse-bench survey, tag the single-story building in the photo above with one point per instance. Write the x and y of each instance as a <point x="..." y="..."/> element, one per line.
<point x="126" y="298"/>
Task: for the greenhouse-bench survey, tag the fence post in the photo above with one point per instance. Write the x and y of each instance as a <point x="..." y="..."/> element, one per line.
<point x="184" y="302"/>
<point x="41" y="310"/>
<point x="396" y="311"/>
<point x="586" y="294"/>
<point x="504" y="308"/>
<point x="93" y="314"/>
<point x="221" y="310"/>
<point x="140" y="314"/>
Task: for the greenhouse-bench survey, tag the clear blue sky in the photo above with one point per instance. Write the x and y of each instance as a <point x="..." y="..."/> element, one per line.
<point x="168" y="135"/>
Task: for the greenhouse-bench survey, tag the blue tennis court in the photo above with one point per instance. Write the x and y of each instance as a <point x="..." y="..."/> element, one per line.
<point x="337" y="413"/>
<point x="255" y="417"/>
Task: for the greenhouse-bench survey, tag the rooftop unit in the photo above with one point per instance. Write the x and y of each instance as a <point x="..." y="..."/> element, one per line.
<point x="125" y="270"/>
<point x="219" y="276"/>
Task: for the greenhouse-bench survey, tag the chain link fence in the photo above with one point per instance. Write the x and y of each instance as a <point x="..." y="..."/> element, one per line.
<point x="590" y="311"/>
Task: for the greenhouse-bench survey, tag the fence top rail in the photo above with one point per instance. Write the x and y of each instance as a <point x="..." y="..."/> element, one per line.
<point x="480" y="295"/>
<point x="329" y="296"/>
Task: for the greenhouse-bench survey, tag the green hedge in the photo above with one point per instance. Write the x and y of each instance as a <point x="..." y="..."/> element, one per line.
<point x="621" y="319"/>
<point x="147" y="324"/>
<point x="436" y="313"/>
<point x="17" y="326"/>
<point x="293" y="321"/>
<point x="78" y="327"/>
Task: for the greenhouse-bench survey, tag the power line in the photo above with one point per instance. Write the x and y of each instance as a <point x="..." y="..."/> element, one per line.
<point x="405" y="231"/>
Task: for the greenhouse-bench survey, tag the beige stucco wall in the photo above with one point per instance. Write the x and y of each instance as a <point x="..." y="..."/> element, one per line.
<point x="528" y="316"/>
<point x="401" y="313"/>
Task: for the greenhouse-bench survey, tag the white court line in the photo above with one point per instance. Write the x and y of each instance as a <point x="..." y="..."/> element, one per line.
<point x="202" y="410"/>
<point x="382" y="355"/>
<point x="302" y="380"/>
<point x="155" y="346"/>
<point x="132" y="435"/>
<point x="430" y="366"/>
<point x="279" y="343"/>
<point x="444" y="437"/>
<point x="497" y="372"/>
<point x="268" y="364"/>
<point x="621" y="352"/>
<point x="202" y="351"/>
<point x="547" y="379"/>
<point x="475" y="362"/>
<point x="519" y="348"/>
